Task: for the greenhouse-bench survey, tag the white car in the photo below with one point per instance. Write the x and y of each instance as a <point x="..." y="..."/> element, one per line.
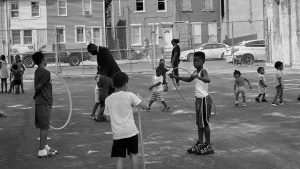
<point x="247" y="52"/>
<point x="211" y="50"/>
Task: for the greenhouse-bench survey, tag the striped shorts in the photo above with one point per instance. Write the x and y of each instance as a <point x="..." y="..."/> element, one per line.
<point x="157" y="96"/>
<point x="203" y="111"/>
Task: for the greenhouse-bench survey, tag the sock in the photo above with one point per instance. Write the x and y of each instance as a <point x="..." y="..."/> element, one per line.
<point x="47" y="147"/>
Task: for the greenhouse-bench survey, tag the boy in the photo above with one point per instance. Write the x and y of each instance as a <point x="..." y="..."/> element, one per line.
<point x="43" y="103"/>
<point x="239" y="87"/>
<point x="105" y="87"/>
<point x="261" y="85"/>
<point x="157" y="90"/>
<point x="17" y="76"/>
<point x="279" y="84"/>
<point x="118" y="110"/>
<point x="203" y="105"/>
<point x="22" y="67"/>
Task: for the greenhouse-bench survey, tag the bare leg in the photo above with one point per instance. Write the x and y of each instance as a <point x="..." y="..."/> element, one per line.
<point x="134" y="161"/>
<point x="164" y="103"/>
<point x="95" y="108"/>
<point x="244" y="99"/>
<point x="119" y="163"/>
<point x="43" y="138"/>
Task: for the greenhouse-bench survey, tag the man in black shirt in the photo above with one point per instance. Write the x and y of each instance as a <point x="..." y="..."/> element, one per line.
<point x="106" y="63"/>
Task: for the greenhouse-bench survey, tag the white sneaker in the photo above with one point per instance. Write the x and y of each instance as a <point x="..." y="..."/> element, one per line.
<point x="244" y="105"/>
<point x="51" y="150"/>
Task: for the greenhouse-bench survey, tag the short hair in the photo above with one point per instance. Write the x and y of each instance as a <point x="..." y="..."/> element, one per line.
<point x="278" y="64"/>
<point x="91" y="46"/>
<point x="175" y="40"/>
<point x="260" y="69"/>
<point x="200" y="55"/>
<point x="37" y="57"/>
<point x="236" y="72"/>
<point x="120" y="79"/>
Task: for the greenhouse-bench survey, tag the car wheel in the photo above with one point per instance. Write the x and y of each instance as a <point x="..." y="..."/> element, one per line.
<point x="190" y="57"/>
<point x="222" y="56"/>
<point x="247" y="59"/>
<point x="28" y="62"/>
<point x="74" y="60"/>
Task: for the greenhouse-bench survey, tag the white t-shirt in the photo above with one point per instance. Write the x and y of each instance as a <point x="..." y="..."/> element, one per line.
<point x="156" y="79"/>
<point x="261" y="77"/>
<point x="201" y="88"/>
<point x="278" y="75"/>
<point x="118" y="106"/>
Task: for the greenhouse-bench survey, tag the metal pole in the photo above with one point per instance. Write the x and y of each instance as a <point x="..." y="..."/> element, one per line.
<point x="141" y="137"/>
<point x="81" y="52"/>
<point x="232" y="42"/>
<point x="154" y="46"/>
<point x="7" y="31"/>
<point x="56" y="50"/>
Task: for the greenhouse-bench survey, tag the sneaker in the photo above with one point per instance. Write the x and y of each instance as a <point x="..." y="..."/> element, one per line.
<point x="202" y="149"/>
<point x="281" y="103"/>
<point x="210" y="149"/>
<point x="45" y="154"/>
<point x="264" y="100"/>
<point x="194" y="148"/>
<point x="165" y="109"/>
<point x="51" y="150"/>
<point x="257" y="99"/>
<point x="274" y="104"/>
<point x="93" y="116"/>
<point x="100" y="119"/>
<point x="244" y="105"/>
<point x="236" y="104"/>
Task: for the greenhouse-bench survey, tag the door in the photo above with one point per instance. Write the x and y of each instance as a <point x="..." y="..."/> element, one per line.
<point x="168" y="36"/>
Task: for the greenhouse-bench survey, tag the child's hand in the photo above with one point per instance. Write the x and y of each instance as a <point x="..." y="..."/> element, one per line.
<point x="194" y="75"/>
<point x="171" y="75"/>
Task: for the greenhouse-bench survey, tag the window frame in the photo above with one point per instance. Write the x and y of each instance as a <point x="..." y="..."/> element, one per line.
<point x="140" y="34"/>
<point x="92" y="34"/>
<point x="11" y="10"/>
<point x="39" y="9"/>
<point x="64" y="31"/>
<point x="83" y="33"/>
<point x="165" y="4"/>
<point x="190" y="6"/>
<point x="144" y="10"/>
<point x="12" y="37"/>
<point x="58" y="7"/>
<point x="27" y="36"/>
<point x="83" y="7"/>
<point x="205" y="6"/>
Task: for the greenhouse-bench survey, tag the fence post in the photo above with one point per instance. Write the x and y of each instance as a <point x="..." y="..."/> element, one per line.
<point x="56" y="50"/>
<point x="81" y="52"/>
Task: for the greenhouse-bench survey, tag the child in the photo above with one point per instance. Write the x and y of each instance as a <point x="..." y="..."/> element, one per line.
<point x="43" y="103"/>
<point x="164" y="70"/>
<point x="105" y="87"/>
<point x="203" y="104"/>
<point x="157" y="90"/>
<point x="3" y="73"/>
<point x="278" y="84"/>
<point x="17" y="76"/>
<point x="22" y="67"/>
<point x="239" y="87"/>
<point x="97" y="101"/>
<point x="261" y="85"/>
<point x="118" y="110"/>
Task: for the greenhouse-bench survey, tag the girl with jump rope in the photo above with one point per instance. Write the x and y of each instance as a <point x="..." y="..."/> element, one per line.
<point x="203" y="104"/>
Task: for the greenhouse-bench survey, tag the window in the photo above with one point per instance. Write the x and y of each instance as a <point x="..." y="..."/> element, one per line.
<point x="62" y="7"/>
<point x="259" y="43"/>
<point x="139" y="5"/>
<point x="96" y="35"/>
<point x="186" y="5"/>
<point x="16" y="37"/>
<point x="14" y="9"/>
<point x="60" y="34"/>
<point x="136" y="35"/>
<point x="208" y="5"/>
<point x="87" y="7"/>
<point x="161" y="5"/>
<point x="197" y="34"/>
<point x="27" y="36"/>
<point x="35" y="9"/>
<point x="80" y="34"/>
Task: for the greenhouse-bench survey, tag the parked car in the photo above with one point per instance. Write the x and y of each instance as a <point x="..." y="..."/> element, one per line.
<point x="73" y="57"/>
<point x="211" y="50"/>
<point x="247" y="52"/>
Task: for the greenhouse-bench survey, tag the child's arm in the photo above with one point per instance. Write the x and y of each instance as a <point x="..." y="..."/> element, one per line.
<point x="157" y="84"/>
<point x="44" y="79"/>
<point x="248" y="83"/>
<point x="204" y="76"/>
<point x="185" y="79"/>
<point x="261" y="82"/>
<point x="280" y="81"/>
<point x="143" y="104"/>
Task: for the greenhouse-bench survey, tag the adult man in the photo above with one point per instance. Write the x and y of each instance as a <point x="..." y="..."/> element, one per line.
<point x="106" y="63"/>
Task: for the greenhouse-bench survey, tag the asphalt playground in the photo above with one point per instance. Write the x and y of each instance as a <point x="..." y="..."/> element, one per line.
<point x="258" y="136"/>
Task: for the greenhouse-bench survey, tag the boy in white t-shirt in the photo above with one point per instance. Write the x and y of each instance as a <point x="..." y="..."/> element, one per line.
<point x="118" y="110"/>
<point x="157" y="89"/>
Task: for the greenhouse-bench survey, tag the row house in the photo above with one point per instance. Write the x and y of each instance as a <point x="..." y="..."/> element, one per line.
<point x="241" y="20"/>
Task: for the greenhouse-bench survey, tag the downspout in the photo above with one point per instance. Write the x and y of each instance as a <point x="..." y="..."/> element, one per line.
<point x="297" y="6"/>
<point x="290" y="32"/>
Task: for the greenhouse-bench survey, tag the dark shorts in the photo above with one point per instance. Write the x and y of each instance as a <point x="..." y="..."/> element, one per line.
<point x="203" y="111"/>
<point x="120" y="146"/>
<point x="42" y="116"/>
<point x="17" y="82"/>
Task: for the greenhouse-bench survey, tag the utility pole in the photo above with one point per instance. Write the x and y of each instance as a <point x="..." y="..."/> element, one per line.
<point x="7" y="30"/>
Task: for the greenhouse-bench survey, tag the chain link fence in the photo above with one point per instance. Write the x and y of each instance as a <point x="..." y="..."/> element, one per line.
<point x="66" y="52"/>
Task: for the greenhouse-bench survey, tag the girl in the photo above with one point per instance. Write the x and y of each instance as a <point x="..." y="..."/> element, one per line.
<point x="3" y="73"/>
<point x="239" y="87"/>
<point x="175" y="58"/>
<point x="164" y="70"/>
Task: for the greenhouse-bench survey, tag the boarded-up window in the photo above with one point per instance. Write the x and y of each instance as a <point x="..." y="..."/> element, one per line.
<point x="197" y="33"/>
<point x="208" y="5"/>
<point x="16" y="37"/>
<point x="186" y="5"/>
<point x="27" y="36"/>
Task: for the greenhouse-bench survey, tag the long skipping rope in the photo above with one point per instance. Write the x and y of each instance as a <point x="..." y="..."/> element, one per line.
<point x="183" y="98"/>
<point x="70" y="103"/>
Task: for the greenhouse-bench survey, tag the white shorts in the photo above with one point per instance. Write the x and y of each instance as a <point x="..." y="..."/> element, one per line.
<point x="97" y="95"/>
